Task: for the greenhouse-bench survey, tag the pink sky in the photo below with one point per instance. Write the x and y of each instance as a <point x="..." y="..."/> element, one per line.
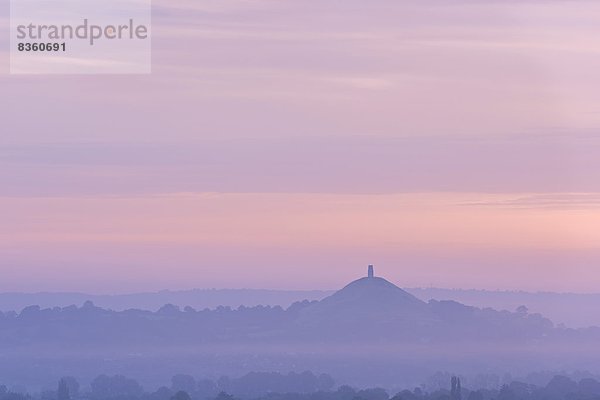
<point x="286" y="144"/>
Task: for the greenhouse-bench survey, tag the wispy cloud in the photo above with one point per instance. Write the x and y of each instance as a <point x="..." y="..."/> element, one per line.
<point x="566" y="201"/>
<point x="324" y="164"/>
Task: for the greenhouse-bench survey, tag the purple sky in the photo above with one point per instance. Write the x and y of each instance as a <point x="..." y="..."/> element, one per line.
<point x="286" y="144"/>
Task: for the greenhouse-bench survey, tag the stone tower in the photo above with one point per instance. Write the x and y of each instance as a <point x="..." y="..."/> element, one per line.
<point x="370" y="273"/>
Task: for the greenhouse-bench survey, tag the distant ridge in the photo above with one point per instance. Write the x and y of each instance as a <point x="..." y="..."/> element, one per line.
<point x="369" y="307"/>
<point x="556" y="306"/>
<point x="197" y="298"/>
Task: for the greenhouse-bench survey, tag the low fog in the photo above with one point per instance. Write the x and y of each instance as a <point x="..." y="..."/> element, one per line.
<point x="371" y="333"/>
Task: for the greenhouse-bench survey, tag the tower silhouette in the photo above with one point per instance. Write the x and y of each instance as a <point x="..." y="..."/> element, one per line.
<point x="370" y="273"/>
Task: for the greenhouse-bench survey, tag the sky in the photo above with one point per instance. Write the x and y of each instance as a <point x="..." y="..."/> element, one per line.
<point x="287" y="144"/>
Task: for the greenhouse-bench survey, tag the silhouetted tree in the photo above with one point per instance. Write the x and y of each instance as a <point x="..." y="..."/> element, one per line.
<point x="72" y="385"/>
<point x="506" y="393"/>
<point x="560" y="387"/>
<point x="522" y="310"/>
<point x="373" y="394"/>
<point x="405" y="395"/>
<point x="455" y="390"/>
<point x="224" y="396"/>
<point x="589" y="387"/>
<point x="476" y="395"/>
<point x="345" y="392"/>
<point x="162" y="393"/>
<point x="325" y="382"/>
<point x="63" y="391"/>
<point x="181" y="395"/>
<point x="185" y="383"/>
<point x="117" y="386"/>
<point x="223" y="383"/>
<point x="206" y="388"/>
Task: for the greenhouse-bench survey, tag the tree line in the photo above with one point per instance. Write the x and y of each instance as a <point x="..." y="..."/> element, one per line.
<point x="300" y="386"/>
